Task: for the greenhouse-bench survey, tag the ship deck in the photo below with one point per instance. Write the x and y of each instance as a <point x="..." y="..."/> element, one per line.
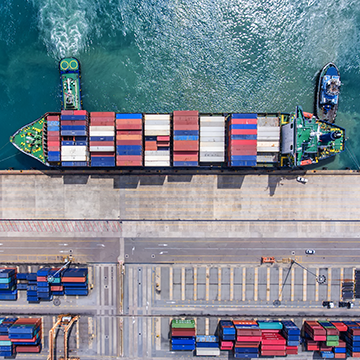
<point x="29" y="139"/>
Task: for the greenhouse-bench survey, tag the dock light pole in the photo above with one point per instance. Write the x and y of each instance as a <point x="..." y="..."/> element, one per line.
<point x="321" y="279"/>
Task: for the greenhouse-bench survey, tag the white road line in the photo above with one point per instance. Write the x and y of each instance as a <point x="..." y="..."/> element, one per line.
<point x="317" y="285"/>
<point x="231" y="284"/>
<point x="219" y="283"/>
<point x="292" y="295"/>
<point x="170" y="283"/>
<point x="195" y="283"/>
<point x="329" y="285"/>
<point x="207" y="283"/>
<point x="256" y="283"/>
<point x="243" y="283"/>
<point x="268" y="284"/>
<point x="131" y="300"/>
<point x="280" y="282"/>
<point x="182" y="283"/>
<point x="304" y="285"/>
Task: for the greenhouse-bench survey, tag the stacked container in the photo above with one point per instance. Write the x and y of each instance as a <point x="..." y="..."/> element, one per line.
<point x="53" y="138"/>
<point x="6" y="348"/>
<point x="74" y="132"/>
<point x="314" y="331"/>
<point x="186" y="138"/>
<point x="43" y="286"/>
<point x="207" y="345"/>
<point x="357" y="283"/>
<point x="183" y="334"/>
<point x="248" y="337"/>
<point x="25" y="333"/>
<point x="8" y="289"/>
<point x="242" y="137"/>
<point x="292" y="335"/>
<point x="102" y="139"/>
<point x="268" y="139"/>
<point x="157" y="140"/>
<point x="212" y="139"/>
<point x="31" y="289"/>
<point x="273" y="344"/>
<point x="129" y="145"/>
<point x="352" y="338"/>
<point x="332" y="333"/>
<point x="226" y="330"/>
<point x="75" y="281"/>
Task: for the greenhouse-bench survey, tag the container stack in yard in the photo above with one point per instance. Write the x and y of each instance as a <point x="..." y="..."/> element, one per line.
<point x="8" y="290"/>
<point x="212" y="139"/>
<point x="242" y="147"/>
<point x="357" y="284"/>
<point x="20" y="335"/>
<point x="74" y="138"/>
<point x="272" y="342"/>
<point x="157" y="140"/>
<point x="292" y="335"/>
<point x="207" y="345"/>
<point x="75" y="281"/>
<point x="129" y="134"/>
<point x="183" y="334"/>
<point x="186" y="138"/>
<point x="248" y="337"/>
<point x="102" y="139"/>
<point x="53" y="137"/>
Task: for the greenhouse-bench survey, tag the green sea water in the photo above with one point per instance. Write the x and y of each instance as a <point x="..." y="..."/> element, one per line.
<point x="161" y="56"/>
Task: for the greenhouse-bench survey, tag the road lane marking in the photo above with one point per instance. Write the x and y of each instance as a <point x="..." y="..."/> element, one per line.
<point x="280" y="282"/>
<point x="304" y="285"/>
<point x="158" y="333"/>
<point x="182" y="283"/>
<point x="341" y="281"/>
<point x="219" y="283"/>
<point x="207" y="283"/>
<point x="256" y="283"/>
<point x="329" y="284"/>
<point x="268" y="284"/>
<point x="292" y="295"/>
<point x="231" y="284"/>
<point x="243" y="283"/>
<point x="77" y="334"/>
<point x="170" y="283"/>
<point x="207" y="326"/>
<point x="317" y="285"/>
<point x="195" y="283"/>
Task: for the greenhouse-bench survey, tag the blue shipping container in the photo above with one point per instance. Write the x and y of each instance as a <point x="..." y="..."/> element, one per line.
<point x="186" y="137"/>
<point x="243" y="137"/>
<point x="4" y="273"/>
<point x="73" y="132"/>
<point x="80" y="272"/>
<point x="185" y="163"/>
<point x="182" y="341"/>
<point x="207" y="344"/>
<point x="129" y="116"/>
<point x="183" y="347"/>
<point x="186" y="132"/>
<point x="101" y="138"/>
<point x="73" y="117"/>
<point x="244" y="116"/>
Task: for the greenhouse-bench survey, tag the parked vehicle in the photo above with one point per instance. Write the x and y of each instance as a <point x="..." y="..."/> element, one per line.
<point x="310" y="251"/>
<point x="328" y="304"/>
<point x="301" y="180"/>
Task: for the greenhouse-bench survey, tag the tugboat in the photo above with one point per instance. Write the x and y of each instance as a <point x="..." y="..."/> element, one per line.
<point x="327" y="99"/>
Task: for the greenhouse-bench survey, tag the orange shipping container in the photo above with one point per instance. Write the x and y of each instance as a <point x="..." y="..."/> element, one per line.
<point x="186" y="145"/>
<point x="73" y="279"/>
<point x="185" y="157"/>
<point x="129" y="137"/>
<point x="129" y="121"/>
<point x="128" y="163"/>
<point x="128" y="132"/>
<point x="102" y="114"/>
<point x="150" y="145"/>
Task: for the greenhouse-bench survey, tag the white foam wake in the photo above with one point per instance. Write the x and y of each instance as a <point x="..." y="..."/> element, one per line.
<point x="65" y="24"/>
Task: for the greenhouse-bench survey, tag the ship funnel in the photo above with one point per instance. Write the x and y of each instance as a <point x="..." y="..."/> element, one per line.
<point x="331" y="136"/>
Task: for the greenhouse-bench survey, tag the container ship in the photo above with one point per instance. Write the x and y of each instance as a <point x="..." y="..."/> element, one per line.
<point x="77" y="138"/>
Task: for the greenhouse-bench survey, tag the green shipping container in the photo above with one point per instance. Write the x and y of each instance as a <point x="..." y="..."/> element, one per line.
<point x="332" y="343"/>
<point x="182" y="324"/>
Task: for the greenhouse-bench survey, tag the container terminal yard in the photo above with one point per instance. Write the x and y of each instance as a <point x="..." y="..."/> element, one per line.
<point x="165" y="247"/>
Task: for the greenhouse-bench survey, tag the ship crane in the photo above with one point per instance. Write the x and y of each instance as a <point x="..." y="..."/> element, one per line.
<point x="321" y="279"/>
<point x="65" y="321"/>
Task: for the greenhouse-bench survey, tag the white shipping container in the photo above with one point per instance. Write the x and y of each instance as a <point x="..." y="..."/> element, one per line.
<point x="157" y="117"/>
<point x="102" y="148"/>
<point x="157" y="153"/>
<point x="74" y="150"/>
<point x="207" y="351"/>
<point x="211" y="130"/>
<point x="268" y="121"/>
<point x="164" y="132"/>
<point x="157" y="127"/>
<point x="268" y="158"/>
<point x="206" y="124"/>
<point x="156" y="163"/>
<point x="101" y="133"/>
<point x="102" y="128"/>
<point x="208" y="146"/>
<point x="219" y="139"/>
<point x="157" y="122"/>
<point x="74" y="158"/>
<point x="204" y="119"/>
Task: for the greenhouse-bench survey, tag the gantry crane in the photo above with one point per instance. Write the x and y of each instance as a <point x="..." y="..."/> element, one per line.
<point x="65" y="321"/>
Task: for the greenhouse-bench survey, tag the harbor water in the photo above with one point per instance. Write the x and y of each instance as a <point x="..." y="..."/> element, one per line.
<point x="161" y="56"/>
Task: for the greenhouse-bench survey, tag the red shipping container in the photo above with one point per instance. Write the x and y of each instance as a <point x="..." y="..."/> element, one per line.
<point x="243" y="152"/>
<point x="273" y="347"/>
<point x="67" y="112"/>
<point x="273" y="353"/>
<point x="226" y="345"/>
<point x="4" y="338"/>
<point x="163" y="143"/>
<point x="150" y="145"/>
<point x="292" y="350"/>
<point x="244" y="322"/>
<point x="186" y="145"/>
<point x="53" y="143"/>
<point x="102" y="123"/>
<point x="57" y="288"/>
<point x="183" y="332"/>
<point x="340" y="355"/>
<point x="41" y="278"/>
<point x="103" y="154"/>
<point x="128" y="163"/>
<point x="128" y="132"/>
<point x="53" y="137"/>
<point x="73" y="279"/>
<point x="185" y="157"/>
<point x="251" y="344"/>
<point x="243" y="121"/>
<point x="102" y="114"/>
<point x="186" y="113"/>
<point x="28" y="348"/>
<point x="248" y="338"/>
<point x="129" y="121"/>
<point x="53" y="118"/>
<point x="319" y="337"/>
<point x="74" y="122"/>
<point x="22" y="321"/>
<point x="129" y="137"/>
<point x="128" y="127"/>
<point x="339" y="325"/>
<point x="355" y="354"/>
<point x="163" y="138"/>
<point x="185" y="127"/>
<point x="128" y="142"/>
<point x="243" y="142"/>
<point x="128" y="158"/>
<point x="105" y="119"/>
<point x="244" y="132"/>
<point x="80" y="112"/>
<point x="102" y="143"/>
<point x="342" y="343"/>
<point x="32" y="340"/>
<point x="54" y="148"/>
